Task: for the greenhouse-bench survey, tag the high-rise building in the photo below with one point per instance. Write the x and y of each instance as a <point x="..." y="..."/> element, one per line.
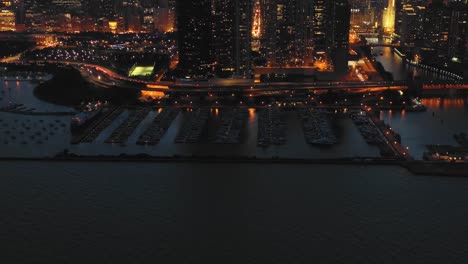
<point x="436" y="29"/>
<point x="231" y="38"/>
<point x="412" y="25"/>
<point x="458" y="42"/>
<point x="298" y="33"/>
<point x="388" y="17"/>
<point x="290" y="31"/>
<point x="194" y="34"/>
<point x="320" y="25"/>
<point x="7" y="20"/>
<point x="339" y="36"/>
<point x="280" y="32"/>
<point x="163" y="15"/>
<point x="215" y="33"/>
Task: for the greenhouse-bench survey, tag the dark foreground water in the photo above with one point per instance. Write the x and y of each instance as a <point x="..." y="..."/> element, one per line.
<point x="225" y="213"/>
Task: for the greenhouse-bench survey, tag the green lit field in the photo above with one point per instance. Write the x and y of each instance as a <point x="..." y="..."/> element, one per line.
<point x="141" y="71"/>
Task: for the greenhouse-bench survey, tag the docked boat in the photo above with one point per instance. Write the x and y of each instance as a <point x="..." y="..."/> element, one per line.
<point x="88" y="112"/>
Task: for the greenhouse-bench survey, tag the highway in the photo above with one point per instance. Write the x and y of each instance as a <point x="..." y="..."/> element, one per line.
<point x="248" y="84"/>
<point x="236" y="85"/>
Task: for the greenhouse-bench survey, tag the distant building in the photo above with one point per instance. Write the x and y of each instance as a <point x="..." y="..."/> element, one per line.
<point x="7" y="20"/>
<point x="388" y="17"/>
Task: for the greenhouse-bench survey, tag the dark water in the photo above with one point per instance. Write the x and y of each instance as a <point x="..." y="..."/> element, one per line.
<point x="221" y="213"/>
<point x="444" y="118"/>
<point x="401" y="71"/>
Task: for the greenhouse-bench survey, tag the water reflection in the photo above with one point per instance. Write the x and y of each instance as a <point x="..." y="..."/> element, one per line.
<point x="400" y="70"/>
<point x="440" y="103"/>
<point x="444" y="118"/>
<point x="252" y="117"/>
<point x="403" y="114"/>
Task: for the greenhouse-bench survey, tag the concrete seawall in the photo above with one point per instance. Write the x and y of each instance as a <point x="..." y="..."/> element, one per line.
<point x="415" y="167"/>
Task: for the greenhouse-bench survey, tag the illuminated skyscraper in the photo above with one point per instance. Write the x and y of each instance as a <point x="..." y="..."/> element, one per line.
<point x="320" y="24"/>
<point x="282" y="33"/>
<point x="215" y="34"/>
<point x="256" y="25"/>
<point x="437" y="28"/>
<point x="296" y="33"/>
<point x="388" y="18"/>
<point x="7" y="20"/>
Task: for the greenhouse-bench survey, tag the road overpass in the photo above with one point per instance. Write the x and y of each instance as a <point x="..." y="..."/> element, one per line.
<point x="236" y="85"/>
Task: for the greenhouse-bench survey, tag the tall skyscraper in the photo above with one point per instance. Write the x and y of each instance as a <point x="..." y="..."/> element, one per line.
<point x="458" y="45"/>
<point x="411" y="25"/>
<point x="320" y="24"/>
<point x="436" y="28"/>
<point x="194" y="34"/>
<point x="7" y="20"/>
<point x="231" y="38"/>
<point x="284" y="31"/>
<point x="216" y="33"/>
<point x="291" y="33"/>
<point x="340" y="15"/>
<point x="388" y="17"/>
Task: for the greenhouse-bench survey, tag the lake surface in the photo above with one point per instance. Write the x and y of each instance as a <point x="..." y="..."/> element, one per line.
<point x="444" y="118"/>
<point x="229" y="213"/>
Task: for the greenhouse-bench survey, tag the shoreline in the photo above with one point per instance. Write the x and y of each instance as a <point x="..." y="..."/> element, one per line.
<point x="426" y="168"/>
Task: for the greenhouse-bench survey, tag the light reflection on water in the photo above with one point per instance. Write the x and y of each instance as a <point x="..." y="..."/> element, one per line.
<point x="252" y="116"/>
<point x="436" y="103"/>
<point x="394" y="64"/>
<point x="444" y="117"/>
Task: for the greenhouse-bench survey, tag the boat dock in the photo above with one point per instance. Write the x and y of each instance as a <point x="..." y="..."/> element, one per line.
<point x="158" y="127"/>
<point x="271" y="127"/>
<point x="98" y="125"/>
<point x="123" y="132"/>
<point x="232" y="123"/>
<point x="317" y="126"/>
<point x="192" y="129"/>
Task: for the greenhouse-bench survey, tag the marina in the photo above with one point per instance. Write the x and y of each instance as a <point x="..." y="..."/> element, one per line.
<point x="125" y="130"/>
<point x="193" y="127"/>
<point x="170" y="131"/>
<point x="158" y="127"/>
<point x="96" y="127"/>
<point x="271" y="127"/>
<point x="375" y="132"/>
<point x="317" y="125"/>
<point x="232" y="121"/>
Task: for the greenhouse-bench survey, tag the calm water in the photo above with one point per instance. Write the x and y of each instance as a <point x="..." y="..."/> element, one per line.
<point x="224" y="213"/>
<point x="444" y="118"/>
<point x="394" y="64"/>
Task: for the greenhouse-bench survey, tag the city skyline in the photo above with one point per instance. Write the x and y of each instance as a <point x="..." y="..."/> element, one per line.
<point x="233" y="131"/>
